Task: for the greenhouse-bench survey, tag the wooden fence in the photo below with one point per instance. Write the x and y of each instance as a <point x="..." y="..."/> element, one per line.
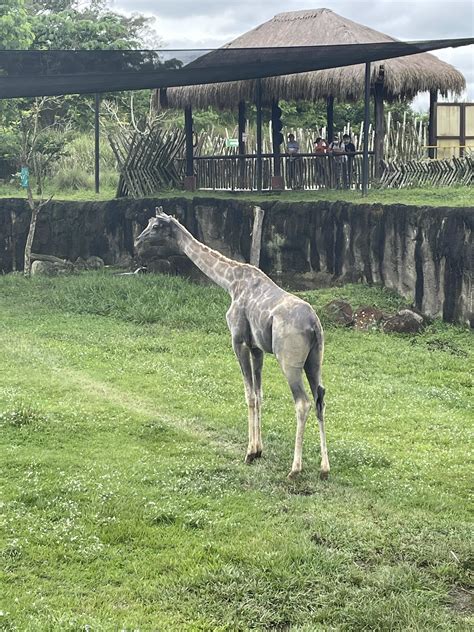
<point x="148" y="161"/>
<point x="404" y="140"/>
<point x="429" y="173"/>
<point x="155" y="160"/>
<point x="305" y="171"/>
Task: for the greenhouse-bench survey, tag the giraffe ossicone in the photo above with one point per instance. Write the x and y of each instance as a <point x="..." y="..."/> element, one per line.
<point x="263" y="318"/>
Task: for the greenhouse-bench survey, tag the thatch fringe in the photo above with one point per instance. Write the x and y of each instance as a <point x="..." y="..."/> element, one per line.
<point x="404" y="77"/>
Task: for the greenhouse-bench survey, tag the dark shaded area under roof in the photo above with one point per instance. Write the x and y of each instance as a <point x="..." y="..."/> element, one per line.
<point x="43" y="73"/>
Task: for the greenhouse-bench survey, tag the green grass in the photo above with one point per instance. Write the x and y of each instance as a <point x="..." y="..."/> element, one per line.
<point x="82" y="195"/>
<point x="430" y="196"/>
<point x="427" y="196"/>
<point x="126" y="503"/>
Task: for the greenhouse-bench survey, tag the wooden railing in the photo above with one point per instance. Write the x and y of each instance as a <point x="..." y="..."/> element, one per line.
<point x="304" y="171"/>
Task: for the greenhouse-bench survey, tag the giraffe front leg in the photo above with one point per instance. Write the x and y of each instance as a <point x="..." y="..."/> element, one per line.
<point x="242" y="352"/>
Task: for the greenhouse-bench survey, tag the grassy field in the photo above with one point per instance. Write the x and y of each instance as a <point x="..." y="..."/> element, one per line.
<point x="126" y="502"/>
<point x="428" y="196"/>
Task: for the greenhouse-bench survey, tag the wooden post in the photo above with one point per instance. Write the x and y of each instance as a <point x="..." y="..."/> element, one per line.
<point x="379" y="124"/>
<point x="277" y="139"/>
<point x="189" y="180"/>
<point x="96" y="142"/>
<point x="462" y="130"/>
<point x="242" y="119"/>
<point x="258" y="103"/>
<point x="365" y="158"/>
<point x="432" y="139"/>
<point x="241" y="134"/>
<point x="330" y="118"/>
<point x="258" y="215"/>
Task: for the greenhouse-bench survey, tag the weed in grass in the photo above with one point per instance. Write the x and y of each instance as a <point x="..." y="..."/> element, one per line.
<point x="22" y="415"/>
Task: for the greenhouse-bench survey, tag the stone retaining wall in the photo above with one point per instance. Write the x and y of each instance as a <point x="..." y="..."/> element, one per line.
<point x="426" y="254"/>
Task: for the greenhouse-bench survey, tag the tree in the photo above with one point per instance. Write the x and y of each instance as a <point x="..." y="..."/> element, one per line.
<point x="71" y="24"/>
<point x="30" y="128"/>
<point x="15" y="25"/>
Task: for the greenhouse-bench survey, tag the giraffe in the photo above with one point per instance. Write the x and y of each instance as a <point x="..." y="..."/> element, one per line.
<point x="262" y="318"/>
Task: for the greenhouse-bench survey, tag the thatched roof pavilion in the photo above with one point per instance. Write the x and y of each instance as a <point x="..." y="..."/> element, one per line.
<point x="403" y="77"/>
<point x="389" y="79"/>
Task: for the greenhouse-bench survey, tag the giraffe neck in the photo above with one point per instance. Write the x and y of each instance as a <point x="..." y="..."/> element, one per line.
<point x="214" y="265"/>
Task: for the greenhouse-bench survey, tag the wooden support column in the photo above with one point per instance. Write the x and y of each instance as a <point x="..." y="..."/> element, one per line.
<point x="379" y="124"/>
<point x="96" y="142"/>
<point x="462" y="131"/>
<point x="258" y="103"/>
<point x="277" y="183"/>
<point x="330" y="119"/>
<point x="432" y="139"/>
<point x="190" y="179"/>
<point x="242" y="121"/>
<point x="365" y="157"/>
<point x="241" y="135"/>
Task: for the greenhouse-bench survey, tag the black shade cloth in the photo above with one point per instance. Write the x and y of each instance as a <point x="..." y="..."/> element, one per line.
<point x="47" y="73"/>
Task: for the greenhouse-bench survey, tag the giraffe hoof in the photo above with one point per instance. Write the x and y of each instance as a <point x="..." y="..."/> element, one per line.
<point x="293" y="475"/>
<point x="250" y="458"/>
<point x="324" y="475"/>
<point x="258" y="454"/>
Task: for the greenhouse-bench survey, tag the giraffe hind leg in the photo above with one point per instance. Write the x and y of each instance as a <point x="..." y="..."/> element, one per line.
<point x="242" y="351"/>
<point x="312" y="369"/>
<point x="257" y="364"/>
<point x="294" y="376"/>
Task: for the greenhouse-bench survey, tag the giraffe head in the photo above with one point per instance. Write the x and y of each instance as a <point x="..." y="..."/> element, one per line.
<point x="158" y="236"/>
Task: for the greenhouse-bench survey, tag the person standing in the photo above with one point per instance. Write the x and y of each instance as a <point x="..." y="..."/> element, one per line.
<point x="320" y="146"/>
<point x="294" y="166"/>
<point x="336" y="150"/>
<point x="349" y="150"/>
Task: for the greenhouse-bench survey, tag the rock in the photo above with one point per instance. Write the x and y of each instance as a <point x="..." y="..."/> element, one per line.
<point x="367" y="317"/>
<point x="80" y="264"/>
<point x="125" y="261"/>
<point x="339" y="312"/>
<point x="94" y="263"/>
<point x="47" y="268"/>
<point x="160" y="266"/>
<point x="405" y="322"/>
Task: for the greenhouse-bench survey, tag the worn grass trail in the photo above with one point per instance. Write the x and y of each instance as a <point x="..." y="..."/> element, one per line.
<point x="126" y="503"/>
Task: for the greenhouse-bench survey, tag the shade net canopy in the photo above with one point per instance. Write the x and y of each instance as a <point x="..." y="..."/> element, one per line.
<point x="60" y="72"/>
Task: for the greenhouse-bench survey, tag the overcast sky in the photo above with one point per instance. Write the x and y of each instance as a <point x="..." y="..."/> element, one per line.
<point x="211" y="23"/>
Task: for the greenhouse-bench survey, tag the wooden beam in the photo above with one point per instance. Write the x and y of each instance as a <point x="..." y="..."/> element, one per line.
<point x="432" y="136"/>
<point x="330" y="118"/>
<point x="379" y="125"/>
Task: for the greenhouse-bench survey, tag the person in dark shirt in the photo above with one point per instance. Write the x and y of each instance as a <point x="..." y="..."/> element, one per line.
<point x="350" y="150"/>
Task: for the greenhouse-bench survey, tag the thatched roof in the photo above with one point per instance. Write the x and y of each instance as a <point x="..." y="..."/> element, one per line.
<point x="404" y="77"/>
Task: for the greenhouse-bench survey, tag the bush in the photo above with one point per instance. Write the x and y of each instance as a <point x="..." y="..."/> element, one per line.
<point x="75" y="170"/>
<point x="72" y="178"/>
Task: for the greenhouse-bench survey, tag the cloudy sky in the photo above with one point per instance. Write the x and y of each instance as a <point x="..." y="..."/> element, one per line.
<point x="211" y="23"/>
